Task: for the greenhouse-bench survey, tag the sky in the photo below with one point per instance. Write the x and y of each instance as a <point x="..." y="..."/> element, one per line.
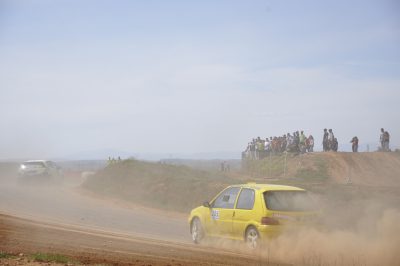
<point x="194" y="76"/>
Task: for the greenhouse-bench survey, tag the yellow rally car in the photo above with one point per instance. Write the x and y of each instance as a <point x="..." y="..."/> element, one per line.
<point x="252" y="212"/>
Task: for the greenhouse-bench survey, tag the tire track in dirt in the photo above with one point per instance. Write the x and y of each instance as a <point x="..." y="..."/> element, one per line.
<point x="92" y="246"/>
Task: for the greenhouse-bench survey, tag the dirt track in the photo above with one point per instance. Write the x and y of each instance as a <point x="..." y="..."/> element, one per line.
<point x="93" y="246"/>
<point x="62" y="220"/>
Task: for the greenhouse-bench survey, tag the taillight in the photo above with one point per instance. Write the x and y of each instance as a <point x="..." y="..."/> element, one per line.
<point x="269" y="221"/>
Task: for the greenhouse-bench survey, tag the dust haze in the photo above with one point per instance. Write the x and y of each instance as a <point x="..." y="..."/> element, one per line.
<point x="371" y="239"/>
<point x="355" y="231"/>
<point x="358" y="225"/>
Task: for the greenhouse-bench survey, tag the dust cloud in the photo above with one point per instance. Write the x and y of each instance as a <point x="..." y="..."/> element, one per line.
<point x="351" y="231"/>
<point x="359" y="225"/>
<point x="367" y="245"/>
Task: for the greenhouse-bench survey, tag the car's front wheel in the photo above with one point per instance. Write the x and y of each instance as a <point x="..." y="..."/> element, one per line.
<point x="252" y="237"/>
<point x="196" y="231"/>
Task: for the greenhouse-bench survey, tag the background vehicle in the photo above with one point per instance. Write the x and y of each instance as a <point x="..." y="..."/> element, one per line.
<point x="252" y="212"/>
<point x="39" y="169"/>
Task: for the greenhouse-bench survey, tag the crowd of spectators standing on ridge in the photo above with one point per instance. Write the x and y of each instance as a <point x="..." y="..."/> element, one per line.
<point x="259" y="148"/>
<point x="297" y="143"/>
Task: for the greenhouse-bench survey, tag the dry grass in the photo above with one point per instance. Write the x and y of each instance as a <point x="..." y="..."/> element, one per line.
<point x="164" y="186"/>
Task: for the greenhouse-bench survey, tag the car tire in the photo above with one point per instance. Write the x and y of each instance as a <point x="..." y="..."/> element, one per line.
<point x="196" y="230"/>
<point x="252" y="237"/>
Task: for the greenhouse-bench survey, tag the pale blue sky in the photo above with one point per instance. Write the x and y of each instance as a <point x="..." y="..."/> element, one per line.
<point x="194" y="76"/>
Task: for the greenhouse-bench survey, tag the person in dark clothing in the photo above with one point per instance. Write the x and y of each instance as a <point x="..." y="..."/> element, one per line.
<point x="325" y="140"/>
<point x="253" y="149"/>
<point x="382" y="140"/>
<point x="386" y="139"/>
<point x="354" y="144"/>
<point x="297" y="141"/>
<point x="334" y="145"/>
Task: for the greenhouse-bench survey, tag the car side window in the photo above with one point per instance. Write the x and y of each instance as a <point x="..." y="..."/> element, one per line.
<point x="226" y="199"/>
<point x="246" y="199"/>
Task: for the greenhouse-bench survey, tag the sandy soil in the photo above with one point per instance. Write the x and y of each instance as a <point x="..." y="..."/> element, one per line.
<point x="375" y="169"/>
<point x="63" y="220"/>
<point x="90" y="246"/>
<point x="362" y="225"/>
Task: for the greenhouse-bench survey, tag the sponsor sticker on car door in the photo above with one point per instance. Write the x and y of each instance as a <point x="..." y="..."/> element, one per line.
<point x="215" y="214"/>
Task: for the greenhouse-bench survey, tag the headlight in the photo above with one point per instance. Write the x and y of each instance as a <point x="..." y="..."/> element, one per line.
<point x="23" y="166"/>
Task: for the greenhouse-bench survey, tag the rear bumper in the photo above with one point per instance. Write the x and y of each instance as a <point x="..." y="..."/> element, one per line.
<point x="270" y="231"/>
<point x="273" y="231"/>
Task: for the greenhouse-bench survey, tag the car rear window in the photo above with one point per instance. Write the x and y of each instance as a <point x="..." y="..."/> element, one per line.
<point x="41" y="164"/>
<point x="288" y="200"/>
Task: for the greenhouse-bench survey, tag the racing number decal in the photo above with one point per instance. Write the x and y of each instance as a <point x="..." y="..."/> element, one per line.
<point x="215" y="214"/>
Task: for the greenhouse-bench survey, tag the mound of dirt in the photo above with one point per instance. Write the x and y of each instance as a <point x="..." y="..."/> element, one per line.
<point x="164" y="186"/>
<point x="349" y="176"/>
<point x="371" y="169"/>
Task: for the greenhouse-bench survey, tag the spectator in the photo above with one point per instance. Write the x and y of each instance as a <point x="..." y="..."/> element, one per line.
<point x="253" y="149"/>
<point x="386" y="139"/>
<point x="381" y="139"/>
<point x="310" y="144"/>
<point x="297" y="140"/>
<point x="302" y="142"/>
<point x="331" y="140"/>
<point x="325" y="140"/>
<point x="283" y="143"/>
<point x="354" y="144"/>
<point x="260" y="148"/>
<point x="267" y="145"/>
<point x="290" y="143"/>
<point x="335" y="145"/>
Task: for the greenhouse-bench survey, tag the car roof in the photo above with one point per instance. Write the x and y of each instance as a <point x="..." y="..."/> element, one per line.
<point x="268" y="187"/>
<point x="36" y="161"/>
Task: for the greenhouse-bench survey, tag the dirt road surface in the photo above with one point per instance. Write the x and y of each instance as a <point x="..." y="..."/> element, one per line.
<point x="62" y="220"/>
<point x="95" y="246"/>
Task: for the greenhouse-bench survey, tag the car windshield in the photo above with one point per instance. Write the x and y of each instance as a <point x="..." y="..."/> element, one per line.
<point x="289" y="201"/>
<point x="40" y="164"/>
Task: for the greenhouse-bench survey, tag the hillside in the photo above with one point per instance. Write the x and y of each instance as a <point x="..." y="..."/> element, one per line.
<point x="181" y="188"/>
<point x="157" y="185"/>
<point x="370" y="169"/>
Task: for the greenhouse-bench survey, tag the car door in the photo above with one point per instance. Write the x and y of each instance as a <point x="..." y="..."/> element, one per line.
<point x="243" y="212"/>
<point x="222" y="209"/>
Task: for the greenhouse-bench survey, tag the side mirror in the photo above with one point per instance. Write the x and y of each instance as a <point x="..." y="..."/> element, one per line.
<point x="206" y="204"/>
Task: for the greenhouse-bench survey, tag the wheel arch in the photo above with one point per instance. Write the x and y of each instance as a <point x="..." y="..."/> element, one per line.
<point x="191" y="221"/>
<point x="247" y="228"/>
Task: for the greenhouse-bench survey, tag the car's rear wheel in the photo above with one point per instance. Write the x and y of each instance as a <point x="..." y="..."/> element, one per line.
<point x="252" y="237"/>
<point x="196" y="231"/>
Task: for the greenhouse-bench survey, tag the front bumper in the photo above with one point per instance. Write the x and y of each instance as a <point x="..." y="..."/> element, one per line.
<point x="33" y="173"/>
